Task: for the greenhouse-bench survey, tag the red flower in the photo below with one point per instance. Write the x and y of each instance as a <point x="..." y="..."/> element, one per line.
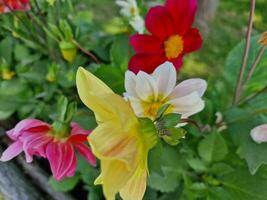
<point x="171" y="36"/>
<point x="14" y="5"/>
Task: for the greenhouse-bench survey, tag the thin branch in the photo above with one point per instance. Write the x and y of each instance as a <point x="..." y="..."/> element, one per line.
<point x="254" y="65"/>
<point x="246" y="52"/>
<point x="251" y="97"/>
<point x="88" y="53"/>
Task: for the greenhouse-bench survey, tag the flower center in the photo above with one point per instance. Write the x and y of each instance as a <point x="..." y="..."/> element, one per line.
<point x="173" y="46"/>
<point x="152" y="107"/>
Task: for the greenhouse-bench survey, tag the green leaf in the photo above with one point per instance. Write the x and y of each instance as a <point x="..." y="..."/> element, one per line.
<point x="233" y="63"/>
<point x="174" y="136"/>
<point x="171" y="120"/>
<point x="240" y="184"/>
<point x="162" y="110"/>
<point x="6" y="48"/>
<point x="197" y="164"/>
<point x="120" y="52"/>
<point x="65" y="185"/>
<point x="213" y="148"/>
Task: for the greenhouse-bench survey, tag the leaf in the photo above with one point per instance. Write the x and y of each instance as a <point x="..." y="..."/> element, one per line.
<point x="174" y="136"/>
<point x="120" y="52"/>
<point x="213" y="148"/>
<point x="254" y="153"/>
<point x="242" y="185"/>
<point x="171" y="120"/>
<point x="65" y="185"/>
<point x="6" y="48"/>
<point x="197" y="164"/>
<point x="233" y="63"/>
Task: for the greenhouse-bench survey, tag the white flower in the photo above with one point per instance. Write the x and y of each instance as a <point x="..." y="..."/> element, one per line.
<point x="130" y="10"/>
<point x="147" y="93"/>
<point x="259" y="133"/>
<point x="138" y="24"/>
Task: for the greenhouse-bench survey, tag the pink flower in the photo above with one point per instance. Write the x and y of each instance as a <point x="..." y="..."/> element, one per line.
<point x="14" y="5"/>
<point x="36" y="138"/>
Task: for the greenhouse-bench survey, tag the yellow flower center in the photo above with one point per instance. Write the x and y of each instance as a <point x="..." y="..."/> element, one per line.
<point x="7" y="74"/>
<point x="133" y="11"/>
<point x="173" y="46"/>
<point x="152" y="107"/>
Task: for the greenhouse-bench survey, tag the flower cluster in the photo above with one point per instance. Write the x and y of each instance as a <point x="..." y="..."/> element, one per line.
<point x="37" y="138"/>
<point x="130" y="10"/>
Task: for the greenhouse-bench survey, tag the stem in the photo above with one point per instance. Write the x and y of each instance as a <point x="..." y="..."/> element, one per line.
<point x="249" y="98"/>
<point x="192" y="122"/>
<point x="254" y="65"/>
<point x="88" y="53"/>
<point x="246" y="51"/>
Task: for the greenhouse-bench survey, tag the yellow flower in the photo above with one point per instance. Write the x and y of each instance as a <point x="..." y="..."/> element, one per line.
<point x="263" y="39"/>
<point x="120" y="141"/>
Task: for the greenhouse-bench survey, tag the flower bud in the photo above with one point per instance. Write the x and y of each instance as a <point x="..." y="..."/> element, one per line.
<point x="259" y="133"/>
<point x="68" y="51"/>
<point x="263" y="39"/>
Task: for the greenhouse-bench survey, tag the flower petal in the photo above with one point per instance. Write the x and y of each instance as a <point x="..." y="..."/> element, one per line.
<point x="192" y="40"/>
<point x="146" y="43"/>
<point x="183" y="13"/>
<point x="62" y="160"/>
<point x="136" y="104"/>
<point x="146" y="87"/>
<point x="159" y="22"/>
<point x="259" y="133"/>
<point x="165" y="77"/>
<point x="136" y="186"/>
<point x="188" y="86"/>
<point x="112" y="143"/>
<point x="28" y="125"/>
<point x="86" y="153"/>
<point x="187" y="105"/>
<point x="130" y="84"/>
<point x="146" y="62"/>
<point x="12" y="151"/>
<point x="114" y="175"/>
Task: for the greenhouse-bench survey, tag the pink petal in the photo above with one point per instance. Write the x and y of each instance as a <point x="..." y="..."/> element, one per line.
<point x="12" y="151"/>
<point x="159" y="22"/>
<point x="78" y="130"/>
<point x="29" y="125"/>
<point x="86" y="153"/>
<point x="62" y="159"/>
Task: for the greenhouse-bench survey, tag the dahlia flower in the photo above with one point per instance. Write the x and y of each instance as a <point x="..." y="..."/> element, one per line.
<point x="148" y="93"/>
<point x="119" y="140"/>
<point x="37" y="138"/>
<point x="171" y="36"/>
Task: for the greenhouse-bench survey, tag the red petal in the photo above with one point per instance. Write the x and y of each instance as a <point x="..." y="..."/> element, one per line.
<point x="192" y="40"/>
<point x="146" y="62"/>
<point x="159" y="22"/>
<point x="178" y="62"/>
<point x="183" y="13"/>
<point x="86" y="153"/>
<point x="146" y="43"/>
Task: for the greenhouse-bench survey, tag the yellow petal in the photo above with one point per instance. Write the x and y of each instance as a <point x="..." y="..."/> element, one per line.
<point x="136" y="186"/>
<point x="90" y="90"/>
<point x="114" y="175"/>
<point x="109" y="142"/>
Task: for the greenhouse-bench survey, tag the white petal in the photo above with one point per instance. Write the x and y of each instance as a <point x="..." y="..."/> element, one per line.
<point x="130" y="84"/>
<point x="188" y="86"/>
<point x="165" y="77"/>
<point x="146" y="87"/>
<point x="259" y="134"/>
<point x="138" y="24"/>
<point x="137" y="106"/>
<point x="187" y="105"/>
